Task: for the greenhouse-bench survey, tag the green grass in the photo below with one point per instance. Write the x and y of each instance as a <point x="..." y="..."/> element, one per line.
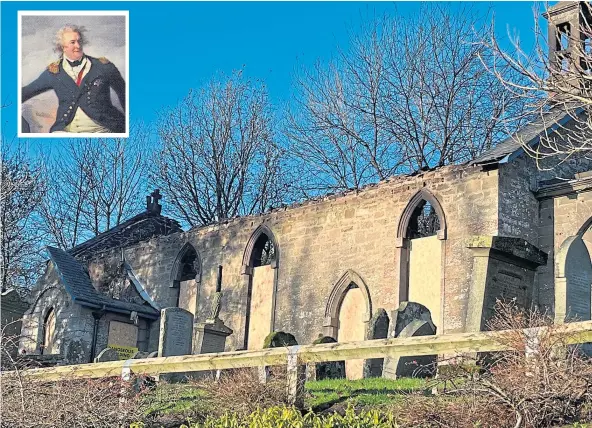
<point x="174" y="398"/>
<point x="363" y="392"/>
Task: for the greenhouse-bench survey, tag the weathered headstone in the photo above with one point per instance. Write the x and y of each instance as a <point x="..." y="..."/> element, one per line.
<point x="107" y="354"/>
<point x="211" y="337"/>
<point x="176" y="332"/>
<point x="406" y="314"/>
<point x="278" y="339"/>
<point x="377" y="329"/>
<point x="328" y="370"/>
<point x="409" y="320"/>
<point x="275" y="339"/>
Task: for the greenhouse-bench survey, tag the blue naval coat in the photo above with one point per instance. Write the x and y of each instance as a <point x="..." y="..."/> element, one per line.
<point x="93" y="95"/>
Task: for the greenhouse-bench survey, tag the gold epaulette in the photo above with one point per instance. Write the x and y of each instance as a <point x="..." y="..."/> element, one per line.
<point x="104" y="60"/>
<point x="54" y="67"/>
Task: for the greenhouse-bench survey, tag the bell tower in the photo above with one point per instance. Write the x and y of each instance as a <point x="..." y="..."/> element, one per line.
<point x="570" y="42"/>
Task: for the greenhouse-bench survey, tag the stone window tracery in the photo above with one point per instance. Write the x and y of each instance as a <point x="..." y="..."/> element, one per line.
<point x="424" y="221"/>
<point x="263" y="251"/>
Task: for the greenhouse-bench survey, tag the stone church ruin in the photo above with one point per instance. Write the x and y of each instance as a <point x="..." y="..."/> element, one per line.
<point x="453" y="239"/>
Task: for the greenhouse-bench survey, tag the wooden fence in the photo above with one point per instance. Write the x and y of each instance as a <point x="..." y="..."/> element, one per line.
<point x="294" y="357"/>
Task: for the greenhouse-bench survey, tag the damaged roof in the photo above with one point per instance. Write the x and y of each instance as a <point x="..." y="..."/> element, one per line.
<point x="78" y="285"/>
<point x="529" y="134"/>
<point x="139" y="228"/>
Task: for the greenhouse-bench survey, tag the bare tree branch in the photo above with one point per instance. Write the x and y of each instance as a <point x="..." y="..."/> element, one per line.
<point x="219" y="157"/>
<point x="410" y="94"/>
<point x="22" y="188"/>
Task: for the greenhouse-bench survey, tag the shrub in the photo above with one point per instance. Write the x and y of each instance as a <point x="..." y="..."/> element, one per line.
<point x="240" y="391"/>
<point x="541" y="380"/>
<point x="281" y="416"/>
<point x="107" y="402"/>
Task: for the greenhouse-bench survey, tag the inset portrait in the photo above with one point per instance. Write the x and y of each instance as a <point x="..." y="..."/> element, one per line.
<point x="73" y="74"/>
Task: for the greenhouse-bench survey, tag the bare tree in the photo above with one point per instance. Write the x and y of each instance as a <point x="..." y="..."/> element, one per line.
<point x="22" y="187"/>
<point x="219" y="157"/>
<point x="554" y="80"/>
<point x="410" y="94"/>
<point x="94" y="186"/>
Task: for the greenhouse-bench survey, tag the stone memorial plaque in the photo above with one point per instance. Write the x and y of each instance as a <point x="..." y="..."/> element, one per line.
<point x="176" y="332"/>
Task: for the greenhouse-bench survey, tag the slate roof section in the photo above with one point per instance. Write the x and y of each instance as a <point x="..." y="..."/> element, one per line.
<point x="529" y="133"/>
<point x="138" y="228"/>
<point x="78" y="285"/>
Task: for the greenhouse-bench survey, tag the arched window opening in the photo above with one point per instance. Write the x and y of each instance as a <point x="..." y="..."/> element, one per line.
<point x="186" y="278"/>
<point x="420" y="239"/>
<point x="48" y="332"/>
<point x="188" y="269"/>
<point x="263" y="251"/>
<point x="260" y="269"/>
<point x="424" y="221"/>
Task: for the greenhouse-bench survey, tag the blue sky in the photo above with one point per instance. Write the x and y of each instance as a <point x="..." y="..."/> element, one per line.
<point x="175" y="46"/>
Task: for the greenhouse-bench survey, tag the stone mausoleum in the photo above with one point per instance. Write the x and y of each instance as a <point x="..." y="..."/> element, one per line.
<point x="454" y="239"/>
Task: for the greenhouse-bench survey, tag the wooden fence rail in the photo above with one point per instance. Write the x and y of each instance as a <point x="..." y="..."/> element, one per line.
<point x="295" y="356"/>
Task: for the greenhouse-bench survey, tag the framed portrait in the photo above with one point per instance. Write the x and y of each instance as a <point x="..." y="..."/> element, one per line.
<point x="73" y="74"/>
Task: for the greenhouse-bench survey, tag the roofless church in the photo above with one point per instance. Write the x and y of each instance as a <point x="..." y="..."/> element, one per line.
<point x="453" y="239"/>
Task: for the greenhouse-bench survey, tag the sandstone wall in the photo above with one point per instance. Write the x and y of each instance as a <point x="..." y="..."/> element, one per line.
<point x="318" y="242"/>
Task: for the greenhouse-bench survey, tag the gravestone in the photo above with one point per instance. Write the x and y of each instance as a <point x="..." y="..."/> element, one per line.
<point x="279" y="339"/>
<point x="413" y="366"/>
<point x="409" y="320"/>
<point x="176" y="332"/>
<point x="377" y="329"/>
<point x="406" y="314"/>
<point x="328" y="370"/>
<point x="107" y="354"/>
<point x="211" y="337"/>
<point x="212" y="334"/>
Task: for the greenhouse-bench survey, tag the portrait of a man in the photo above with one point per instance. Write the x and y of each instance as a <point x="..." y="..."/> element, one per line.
<point x="78" y="91"/>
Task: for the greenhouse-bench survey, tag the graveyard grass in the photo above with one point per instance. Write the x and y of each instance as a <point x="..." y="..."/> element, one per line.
<point x="187" y="398"/>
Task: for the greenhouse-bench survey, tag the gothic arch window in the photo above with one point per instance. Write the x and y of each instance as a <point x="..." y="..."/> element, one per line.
<point x="187" y="265"/>
<point x="260" y="277"/>
<point x="423" y="217"/>
<point x="424" y="221"/>
<point x="49" y="324"/>
<point x="261" y="250"/>
<point x="186" y="277"/>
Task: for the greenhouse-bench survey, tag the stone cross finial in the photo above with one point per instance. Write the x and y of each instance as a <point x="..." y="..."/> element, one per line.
<point x="152" y="204"/>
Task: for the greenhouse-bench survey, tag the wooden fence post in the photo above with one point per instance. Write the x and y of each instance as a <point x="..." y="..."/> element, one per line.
<point x="295" y="378"/>
<point x="532" y="349"/>
<point x="263" y="372"/>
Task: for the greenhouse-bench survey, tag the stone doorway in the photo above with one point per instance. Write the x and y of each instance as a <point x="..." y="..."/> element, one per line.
<point x="352" y="327"/>
<point x="347" y="315"/>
